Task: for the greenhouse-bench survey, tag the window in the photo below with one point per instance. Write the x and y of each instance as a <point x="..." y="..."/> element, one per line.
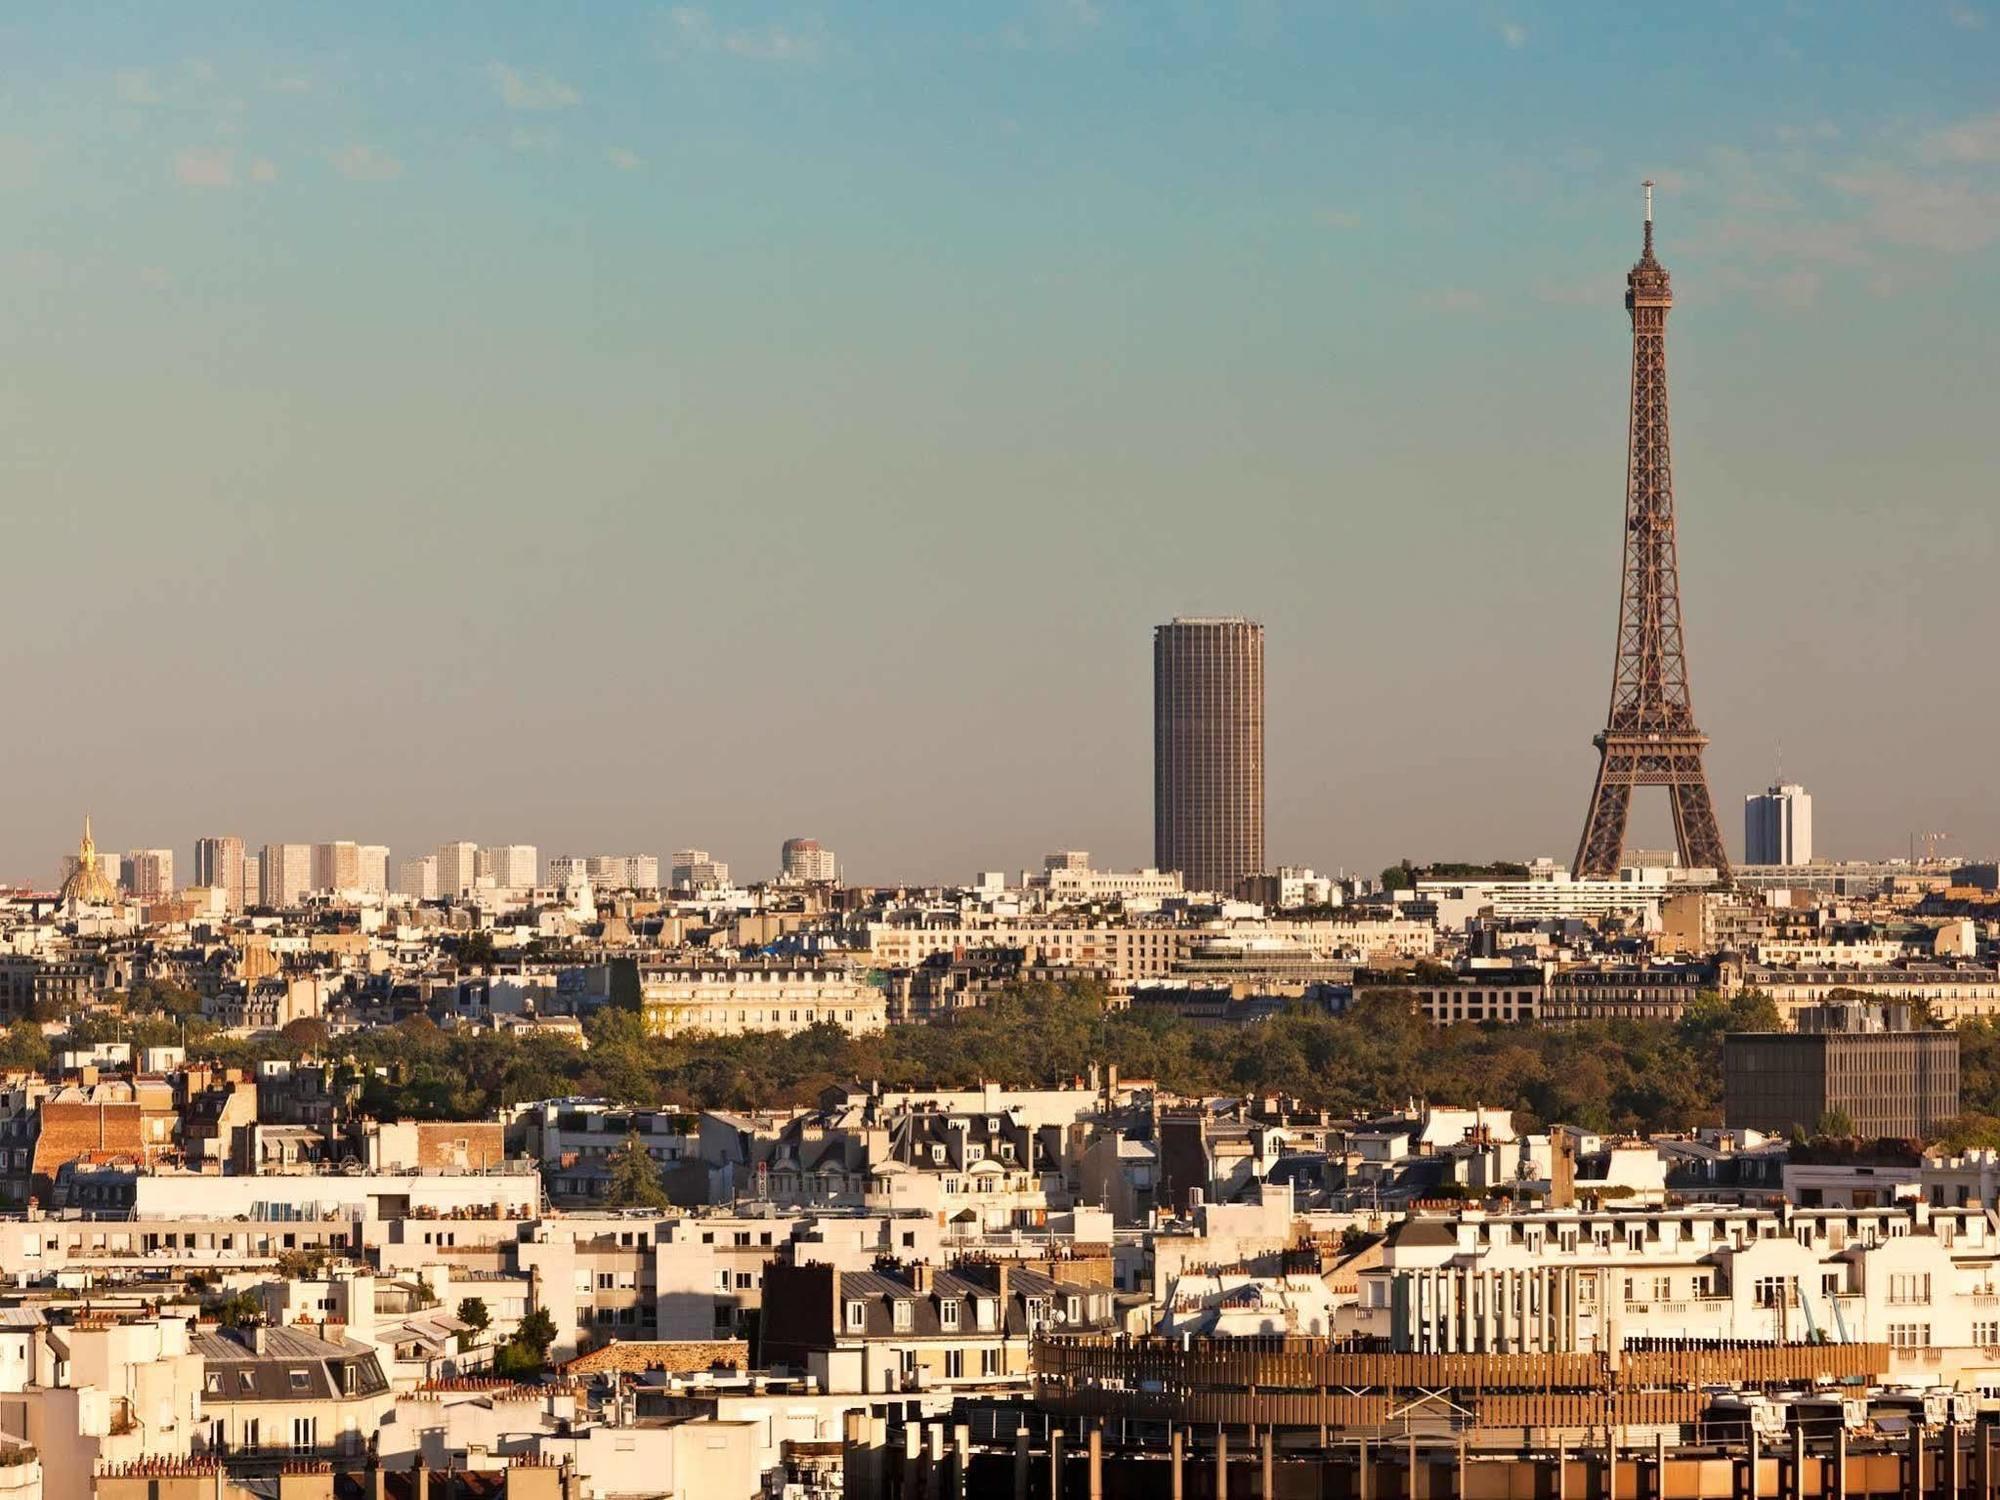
<point x="901" y="1317"/>
<point x="305" y="1434"/>
<point x="948" y="1314"/>
<point x="857" y="1317"/>
<point x="1987" y="1333"/>
<point x="1910" y="1286"/>
<point x="954" y="1364"/>
<point x="1909" y="1335"/>
<point x="989" y="1361"/>
<point x="1772" y="1291"/>
<point x="300" y="1380"/>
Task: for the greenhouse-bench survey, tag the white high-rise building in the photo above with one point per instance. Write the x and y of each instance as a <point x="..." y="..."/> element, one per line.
<point x="693" y="870"/>
<point x="418" y="878"/>
<point x="1777" y="826"/>
<point x="285" y="875"/>
<point x="511" y="867"/>
<point x="808" y="862"/>
<point x="375" y="869"/>
<point x="253" y="880"/>
<point x="148" y="874"/>
<point x="218" y="863"/>
<point x="337" y="866"/>
<point x="606" y="872"/>
<point x="457" y="869"/>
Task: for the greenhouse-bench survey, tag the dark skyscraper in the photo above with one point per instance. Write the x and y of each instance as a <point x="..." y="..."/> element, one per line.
<point x="1208" y="750"/>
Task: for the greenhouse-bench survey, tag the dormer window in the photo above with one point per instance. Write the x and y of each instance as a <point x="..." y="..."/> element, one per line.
<point x="901" y="1317"/>
<point x="937" y="1152"/>
<point x="948" y="1314"/>
<point x="857" y="1316"/>
<point x="975" y="1153"/>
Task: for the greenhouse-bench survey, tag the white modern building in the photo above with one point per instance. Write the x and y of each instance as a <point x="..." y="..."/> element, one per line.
<point x="808" y="862"/>
<point x="218" y="864"/>
<point x="457" y="869"/>
<point x="1777" y="826"/>
<point x="511" y="867"/>
<point x="694" y="870"/>
<point x="418" y="878"/>
<point x="148" y="874"/>
<point x="286" y="874"/>
<point x="606" y="872"/>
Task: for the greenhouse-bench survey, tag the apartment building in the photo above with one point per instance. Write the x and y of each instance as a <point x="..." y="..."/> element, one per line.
<point x="1925" y="1281"/>
<point x="912" y="1327"/>
<point x="730" y="998"/>
<point x="283" y="1393"/>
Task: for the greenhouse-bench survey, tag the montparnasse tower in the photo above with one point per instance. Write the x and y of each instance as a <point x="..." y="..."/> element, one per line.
<point x="87" y="884"/>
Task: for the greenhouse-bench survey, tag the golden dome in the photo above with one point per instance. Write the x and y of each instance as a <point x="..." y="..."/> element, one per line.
<point x="87" y="884"/>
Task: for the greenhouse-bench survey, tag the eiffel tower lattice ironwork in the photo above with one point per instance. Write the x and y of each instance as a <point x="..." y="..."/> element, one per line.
<point x="1650" y="738"/>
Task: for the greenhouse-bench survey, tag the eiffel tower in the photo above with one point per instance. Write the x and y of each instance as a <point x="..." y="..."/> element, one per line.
<point x="1650" y="738"/>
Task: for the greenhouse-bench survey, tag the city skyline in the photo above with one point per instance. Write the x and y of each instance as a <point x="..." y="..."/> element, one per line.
<point x="445" y="430"/>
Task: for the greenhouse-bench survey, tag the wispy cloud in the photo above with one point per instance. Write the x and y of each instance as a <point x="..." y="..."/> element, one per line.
<point x="522" y="88"/>
<point x="1514" y="34"/>
<point x="690" y="29"/>
<point x="1976" y="140"/>
<point x="205" y="167"/>
<point x="1965" y="17"/>
<point x="358" y="163"/>
<point x="1929" y="214"/>
<point x="624" y="158"/>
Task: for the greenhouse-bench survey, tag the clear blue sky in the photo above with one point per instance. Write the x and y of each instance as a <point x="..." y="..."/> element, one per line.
<point x="627" y="426"/>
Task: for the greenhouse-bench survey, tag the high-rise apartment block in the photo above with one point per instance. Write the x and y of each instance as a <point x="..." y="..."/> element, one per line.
<point x="286" y="874"/>
<point x="1777" y="826"/>
<point x="148" y="874"/>
<point x="1208" y="750"/>
<point x="457" y="869"/>
<point x="375" y="869"/>
<point x="808" y="862"/>
<point x="606" y="872"/>
<point x="218" y="863"/>
<point x="418" y="878"/>
<point x="694" y="870"/>
<point x="337" y="866"/>
<point x="511" y="867"/>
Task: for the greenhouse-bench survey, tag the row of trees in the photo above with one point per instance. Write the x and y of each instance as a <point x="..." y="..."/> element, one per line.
<point x="1381" y="1053"/>
<point x="1619" y="1075"/>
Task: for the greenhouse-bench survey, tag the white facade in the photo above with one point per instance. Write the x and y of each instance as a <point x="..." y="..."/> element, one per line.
<point x="1777" y="826"/>
<point x="148" y="874"/>
<point x="808" y="862"/>
<point x="457" y="869"/>
<point x="694" y="870"/>
<point x="418" y="878"/>
<point x="286" y="874"/>
<point x="218" y="863"/>
<point x="375" y="869"/>
<point x="730" y="999"/>
<point x="511" y="867"/>
<point x="606" y="872"/>
<point x="337" y="866"/>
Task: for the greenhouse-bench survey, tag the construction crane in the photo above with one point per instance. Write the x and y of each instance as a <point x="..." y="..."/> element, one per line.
<point x="1931" y="842"/>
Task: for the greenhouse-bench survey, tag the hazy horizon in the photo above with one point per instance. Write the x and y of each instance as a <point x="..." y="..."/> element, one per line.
<point x="713" y="424"/>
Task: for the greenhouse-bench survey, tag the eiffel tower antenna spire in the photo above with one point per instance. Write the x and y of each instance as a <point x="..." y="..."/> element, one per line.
<point x="1649" y="737"/>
